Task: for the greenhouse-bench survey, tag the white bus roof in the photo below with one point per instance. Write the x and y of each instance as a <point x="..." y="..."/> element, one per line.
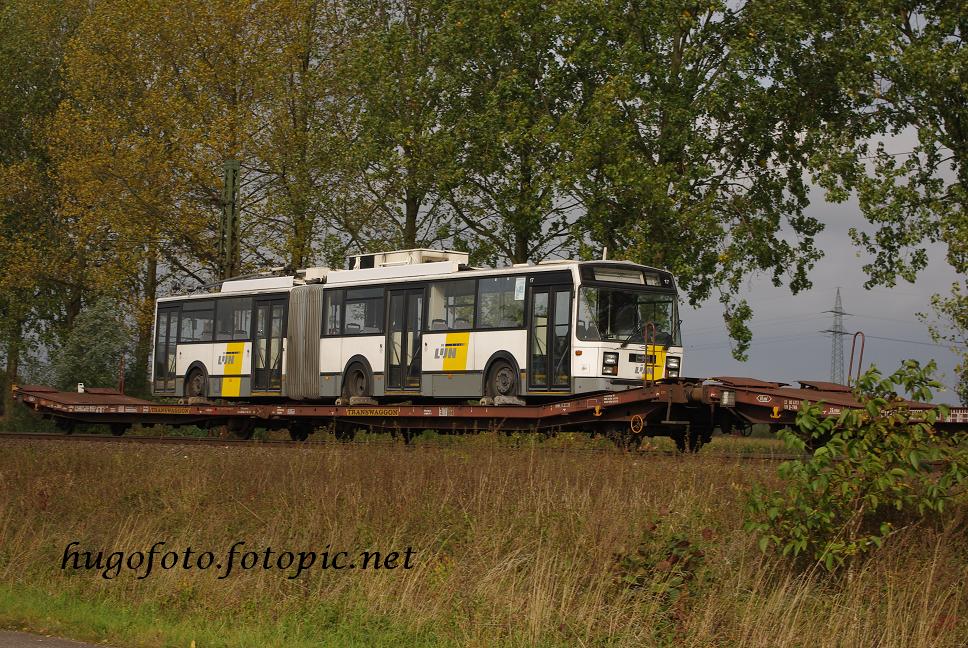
<point x="397" y="274"/>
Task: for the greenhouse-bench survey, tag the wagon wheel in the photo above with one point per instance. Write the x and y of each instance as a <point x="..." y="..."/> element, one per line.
<point x="300" y="431"/>
<point x="623" y="438"/>
<point x="118" y="429"/>
<point x="64" y="425"/>
<point x="241" y="428"/>
<point x="344" y="432"/>
<point x="680" y="440"/>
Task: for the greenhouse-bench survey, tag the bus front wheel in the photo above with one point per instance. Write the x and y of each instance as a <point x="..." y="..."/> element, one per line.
<point x="501" y="380"/>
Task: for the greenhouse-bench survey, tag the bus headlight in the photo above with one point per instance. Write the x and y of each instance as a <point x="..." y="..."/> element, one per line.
<point x="610" y="363"/>
<point x="672" y="362"/>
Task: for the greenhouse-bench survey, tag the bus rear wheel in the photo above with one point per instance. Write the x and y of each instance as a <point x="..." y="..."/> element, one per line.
<point x="501" y="380"/>
<point x="195" y="384"/>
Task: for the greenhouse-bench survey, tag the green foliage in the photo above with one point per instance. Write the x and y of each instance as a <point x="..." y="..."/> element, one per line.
<point x="881" y="467"/>
<point x="509" y="83"/>
<point x="21" y="419"/>
<point x="950" y="327"/>
<point x="905" y="71"/>
<point x="394" y="154"/>
<point x="92" y="352"/>
<point x="680" y="155"/>
<point x="33" y="292"/>
<point x="907" y="74"/>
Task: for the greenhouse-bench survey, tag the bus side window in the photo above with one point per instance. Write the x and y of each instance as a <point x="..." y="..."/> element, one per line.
<point x="197" y="321"/>
<point x="452" y="302"/>
<point x="498" y="303"/>
<point x="233" y="318"/>
<point x="333" y="312"/>
<point x="364" y="311"/>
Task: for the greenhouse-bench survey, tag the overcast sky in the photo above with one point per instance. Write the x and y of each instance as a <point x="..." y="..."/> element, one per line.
<point x="787" y="342"/>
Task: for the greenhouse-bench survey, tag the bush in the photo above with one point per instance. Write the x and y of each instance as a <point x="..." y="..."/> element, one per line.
<point x="93" y="349"/>
<point x="881" y="467"/>
<point x="665" y="563"/>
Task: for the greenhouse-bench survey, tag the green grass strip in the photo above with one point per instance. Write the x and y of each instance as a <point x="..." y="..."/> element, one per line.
<point x="65" y="614"/>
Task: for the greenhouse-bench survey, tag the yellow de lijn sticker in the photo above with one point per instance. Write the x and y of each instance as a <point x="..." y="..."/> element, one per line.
<point x="232" y="364"/>
<point x="456" y="357"/>
<point x="660" y="353"/>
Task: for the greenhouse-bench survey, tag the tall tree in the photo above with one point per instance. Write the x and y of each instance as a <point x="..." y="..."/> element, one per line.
<point x="299" y="147"/>
<point x="161" y="94"/>
<point x="397" y="150"/>
<point x="155" y="105"/>
<point x="34" y="286"/>
<point x="505" y="116"/>
<point x="690" y="126"/>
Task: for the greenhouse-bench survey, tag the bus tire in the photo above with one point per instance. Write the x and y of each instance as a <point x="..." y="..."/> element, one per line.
<point x="356" y="381"/>
<point x="196" y="384"/>
<point x="502" y="380"/>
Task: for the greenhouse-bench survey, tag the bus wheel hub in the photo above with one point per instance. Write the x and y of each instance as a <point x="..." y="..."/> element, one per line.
<point x="504" y="380"/>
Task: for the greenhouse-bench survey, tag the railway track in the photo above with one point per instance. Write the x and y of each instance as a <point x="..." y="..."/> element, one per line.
<point x="283" y="443"/>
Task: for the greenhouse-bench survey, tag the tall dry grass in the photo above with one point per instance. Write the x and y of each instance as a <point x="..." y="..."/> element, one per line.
<point x="513" y="545"/>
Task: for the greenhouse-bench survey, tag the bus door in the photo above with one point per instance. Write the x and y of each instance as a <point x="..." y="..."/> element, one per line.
<point x="166" y="339"/>
<point x="549" y="338"/>
<point x="404" y="324"/>
<point x="269" y="315"/>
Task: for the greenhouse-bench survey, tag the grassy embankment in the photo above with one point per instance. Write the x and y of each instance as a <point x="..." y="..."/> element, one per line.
<point x="513" y="545"/>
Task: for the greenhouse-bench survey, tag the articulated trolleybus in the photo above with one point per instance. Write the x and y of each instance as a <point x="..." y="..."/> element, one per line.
<point x="422" y="323"/>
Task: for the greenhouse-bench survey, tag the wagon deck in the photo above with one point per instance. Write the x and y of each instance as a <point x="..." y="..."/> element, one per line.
<point x="679" y="408"/>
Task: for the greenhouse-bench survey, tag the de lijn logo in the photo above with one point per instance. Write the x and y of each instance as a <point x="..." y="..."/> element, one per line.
<point x="227" y="358"/>
<point x="448" y="350"/>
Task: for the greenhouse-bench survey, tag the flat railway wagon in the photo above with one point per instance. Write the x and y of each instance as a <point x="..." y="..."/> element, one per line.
<point x="687" y="410"/>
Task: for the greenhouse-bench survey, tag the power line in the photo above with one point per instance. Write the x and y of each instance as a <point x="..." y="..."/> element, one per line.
<point x="890" y="339"/>
<point x="756" y="340"/>
<point x="886" y="319"/>
<point x="754" y="324"/>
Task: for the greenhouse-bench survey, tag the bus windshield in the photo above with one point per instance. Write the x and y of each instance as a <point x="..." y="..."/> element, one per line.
<point x="621" y="314"/>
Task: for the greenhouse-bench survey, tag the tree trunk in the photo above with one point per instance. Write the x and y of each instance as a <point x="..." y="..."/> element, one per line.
<point x="520" y="248"/>
<point x="145" y="324"/>
<point x="412" y="202"/>
<point x="12" y="371"/>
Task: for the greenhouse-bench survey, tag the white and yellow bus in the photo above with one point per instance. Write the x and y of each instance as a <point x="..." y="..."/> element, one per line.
<point x="422" y="323"/>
